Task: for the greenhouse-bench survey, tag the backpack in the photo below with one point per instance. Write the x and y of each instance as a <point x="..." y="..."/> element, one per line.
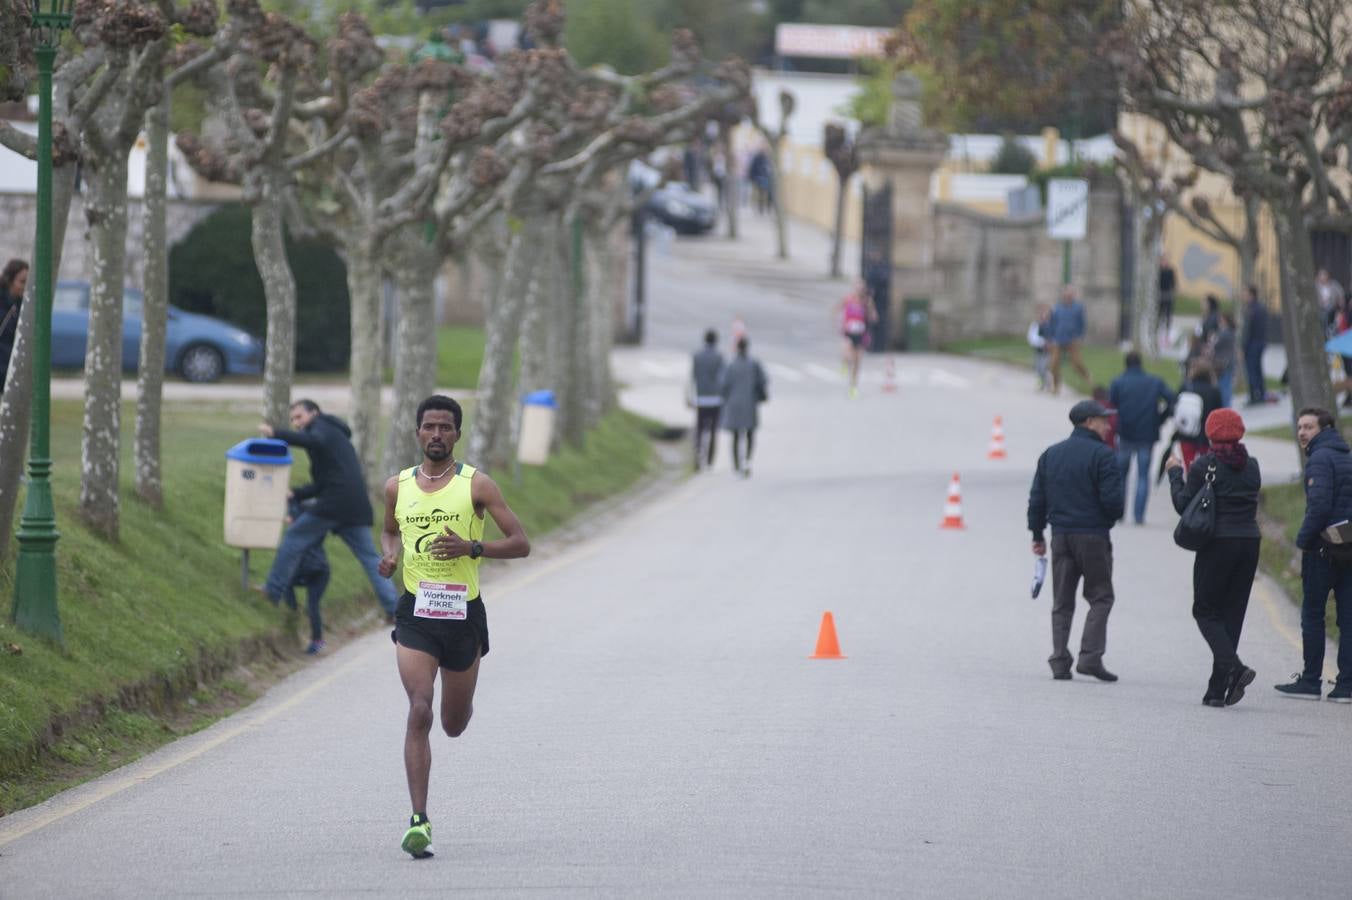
<point x="1188" y="414"/>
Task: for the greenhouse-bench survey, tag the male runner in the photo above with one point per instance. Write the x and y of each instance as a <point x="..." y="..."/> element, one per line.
<point x="434" y="514"/>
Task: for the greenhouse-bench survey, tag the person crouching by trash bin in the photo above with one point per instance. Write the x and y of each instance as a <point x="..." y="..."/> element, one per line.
<point x="313" y="574"/>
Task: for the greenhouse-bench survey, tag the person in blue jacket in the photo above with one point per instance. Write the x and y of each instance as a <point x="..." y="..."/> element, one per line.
<point x="1068" y="328"/>
<point x="1142" y="401"/>
<point x="1077" y="491"/>
<point x="1328" y="501"/>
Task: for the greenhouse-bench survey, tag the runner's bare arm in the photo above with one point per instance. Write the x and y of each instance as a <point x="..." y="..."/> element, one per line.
<point x="513" y="543"/>
<point x="391" y="543"/>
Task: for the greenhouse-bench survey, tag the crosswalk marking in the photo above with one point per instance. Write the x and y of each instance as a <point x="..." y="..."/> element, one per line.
<point x="677" y="368"/>
<point x="783" y="372"/>
<point x="831" y="376"/>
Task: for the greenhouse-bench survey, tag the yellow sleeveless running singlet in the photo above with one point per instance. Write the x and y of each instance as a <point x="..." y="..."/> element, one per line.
<point x="423" y="516"/>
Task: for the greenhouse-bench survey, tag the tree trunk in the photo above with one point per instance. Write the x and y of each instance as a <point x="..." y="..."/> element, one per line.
<point x="573" y="316"/>
<point x="599" y="268"/>
<point x="777" y="196"/>
<point x="1147" y="283"/>
<point x="16" y="404"/>
<point x="1248" y="246"/>
<point x="368" y="351"/>
<point x="268" y="237"/>
<point x="154" y="309"/>
<point x="838" y="233"/>
<point x="539" y="325"/>
<point x="729" y="180"/>
<point x="415" y="268"/>
<point x="490" y="445"/>
<point x="106" y="211"/>
<point x="1302" y="329"/>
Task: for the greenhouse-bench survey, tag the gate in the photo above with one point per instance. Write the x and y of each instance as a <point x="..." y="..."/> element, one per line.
<point x="875" y="264"/>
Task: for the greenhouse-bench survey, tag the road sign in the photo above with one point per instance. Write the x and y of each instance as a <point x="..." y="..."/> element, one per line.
<point x="1067" y="209"/>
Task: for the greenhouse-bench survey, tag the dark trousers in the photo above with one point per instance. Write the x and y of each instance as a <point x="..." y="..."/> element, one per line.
<point x="1076" y="556"/>
<point x="1318" y="576"/>
<point x="1222" y="577"/>
<point x="1253" y="371"/>
<point x="706" y="434"/>
<point x="315" y="581"/>
<point x="750" y="435"/>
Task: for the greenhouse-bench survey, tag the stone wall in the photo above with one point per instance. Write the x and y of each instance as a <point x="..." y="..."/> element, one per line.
<point x="991" y="272"/>
<point x="18" y="224"/>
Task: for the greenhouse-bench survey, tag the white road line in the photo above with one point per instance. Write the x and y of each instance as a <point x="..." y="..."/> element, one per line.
<point x="831" y="376"/>
<point x="787" y="373"/>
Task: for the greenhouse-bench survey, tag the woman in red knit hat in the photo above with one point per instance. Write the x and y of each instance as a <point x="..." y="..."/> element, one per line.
<point x="1223" y="571"/>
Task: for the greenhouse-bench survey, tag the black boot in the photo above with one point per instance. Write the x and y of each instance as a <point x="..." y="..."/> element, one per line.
<point x="1241" y="676"/>
<point x="1215" y="689"/>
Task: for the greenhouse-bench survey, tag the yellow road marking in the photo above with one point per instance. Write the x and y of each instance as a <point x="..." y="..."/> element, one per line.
<point x="62" y="809"/>
<point x="1269" y="593"/>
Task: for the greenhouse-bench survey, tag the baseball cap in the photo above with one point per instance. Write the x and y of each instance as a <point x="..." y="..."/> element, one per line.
<point x="1087" y="409"/>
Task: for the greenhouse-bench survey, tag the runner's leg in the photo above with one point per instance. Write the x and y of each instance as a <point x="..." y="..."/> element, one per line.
<point x="418" y="672"/>
<point x="457" y="698"/>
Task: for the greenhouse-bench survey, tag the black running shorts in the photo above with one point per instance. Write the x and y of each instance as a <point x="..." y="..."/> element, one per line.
<point x="454" y="644"/>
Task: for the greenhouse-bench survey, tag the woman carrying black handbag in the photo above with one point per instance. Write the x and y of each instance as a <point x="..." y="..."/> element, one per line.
<point x="1223" y="572"/>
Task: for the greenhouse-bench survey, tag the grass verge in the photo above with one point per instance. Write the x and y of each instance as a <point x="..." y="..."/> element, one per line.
<point x="460" y="355"/>
<point x="159" y="634"/>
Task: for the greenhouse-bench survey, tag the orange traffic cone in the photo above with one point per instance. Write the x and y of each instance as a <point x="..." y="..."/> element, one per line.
<point x="827" y="645"/>
<point x="997" y="450"/>
<point x="953" y="508"/>
<point x="890" y="376"/>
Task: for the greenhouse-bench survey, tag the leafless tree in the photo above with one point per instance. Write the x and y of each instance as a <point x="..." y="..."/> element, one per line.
<point x="776" y="139"/>
<point x="1260" y="92"/>
<point x="840" y="149"/>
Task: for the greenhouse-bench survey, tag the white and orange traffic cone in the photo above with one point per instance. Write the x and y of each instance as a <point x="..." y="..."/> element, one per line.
<point x="997" y="450"/>
<point x="890" y="376"/>
<point x="953" y="508"/>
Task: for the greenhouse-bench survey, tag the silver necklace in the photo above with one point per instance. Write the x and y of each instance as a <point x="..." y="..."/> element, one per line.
<point x="435" y="477"/>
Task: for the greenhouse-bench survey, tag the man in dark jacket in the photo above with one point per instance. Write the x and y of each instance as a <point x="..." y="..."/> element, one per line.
<point x="1328" y="501"/>
<point x="1254" y="343"/>
<point x="1078" y="491"/>
<point x="1141" y="401"/>
<point x="341" y="504"/>
<point x="706" y="379"/>
<point x="1068" y="328"/>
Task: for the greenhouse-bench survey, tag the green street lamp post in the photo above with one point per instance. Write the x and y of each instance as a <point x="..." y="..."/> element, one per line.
<point x="35" y="574"/>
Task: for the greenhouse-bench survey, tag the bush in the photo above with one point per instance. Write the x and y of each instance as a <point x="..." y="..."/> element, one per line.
<point x="212" y="272"/>
<point x="1013" y="158"/>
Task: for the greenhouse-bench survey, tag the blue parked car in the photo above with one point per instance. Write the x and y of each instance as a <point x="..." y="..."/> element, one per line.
<point x="199" y="348"/>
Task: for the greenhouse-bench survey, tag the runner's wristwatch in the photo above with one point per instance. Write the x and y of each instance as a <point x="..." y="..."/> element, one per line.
<point x="476" y="549"/>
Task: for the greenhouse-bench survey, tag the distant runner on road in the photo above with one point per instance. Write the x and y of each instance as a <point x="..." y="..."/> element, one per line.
<point x="434" y="517"/>
<point x="857" y="313"/>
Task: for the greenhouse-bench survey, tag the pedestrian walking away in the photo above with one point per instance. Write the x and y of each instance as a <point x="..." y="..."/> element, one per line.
<point x="1198" y="398"/>
<point x="1068" y="328"/>
<point x="1324" y="566"/>
<point x="1168" y="281"/>
<point x="313" y="575"/>
<point x="1142" y="401"/>
<point x="434" y="521"/>
<point x="744" y="389"/>
<point x="1254" y="342"/>
<point x="1223" y="357"/>
<point x="1223" y="570"/>
<point x="341" y="504"/>
<point x="856" y="312"/>
<point x="1077" y="490"/>
<point x="706" y="379"/>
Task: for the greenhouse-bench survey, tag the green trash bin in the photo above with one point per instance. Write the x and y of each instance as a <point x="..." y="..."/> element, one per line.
<point x="916" y="337"/>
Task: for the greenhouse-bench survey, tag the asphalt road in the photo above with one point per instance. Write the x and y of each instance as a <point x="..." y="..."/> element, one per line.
<point x="648" y="722"/>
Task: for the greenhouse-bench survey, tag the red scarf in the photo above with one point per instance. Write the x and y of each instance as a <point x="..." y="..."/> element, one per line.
<point x="1232" y="453"/>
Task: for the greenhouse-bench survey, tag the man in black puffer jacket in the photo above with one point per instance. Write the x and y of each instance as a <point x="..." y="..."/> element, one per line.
<point x="1328" y="501"/>
<point x="341" y="504"/>
<point x="1078" y="490"/>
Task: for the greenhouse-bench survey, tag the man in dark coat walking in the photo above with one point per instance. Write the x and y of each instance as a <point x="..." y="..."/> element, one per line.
<point x="1141" y="400"/>
<point x="1078" y="491"/>
<point x="1328" y="501"/>
<point x="341" y="504"/>
<point x="1254" y="343"/>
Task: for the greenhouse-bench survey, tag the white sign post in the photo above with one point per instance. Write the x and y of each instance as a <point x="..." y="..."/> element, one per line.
<point x="1067" y="215"/>
<point x="1067" y="209"/>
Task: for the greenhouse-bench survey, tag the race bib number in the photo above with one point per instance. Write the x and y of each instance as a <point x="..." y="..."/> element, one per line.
<point x="855" y="326"/>
<point x="441" y="601"/>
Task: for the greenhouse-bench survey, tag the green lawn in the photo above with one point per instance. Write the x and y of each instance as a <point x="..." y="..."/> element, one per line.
<point x="460" y="355"/>
<point x="1104" y="363"/>
<point x="157" y="625"/>
<point x="1283" y="508"/>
